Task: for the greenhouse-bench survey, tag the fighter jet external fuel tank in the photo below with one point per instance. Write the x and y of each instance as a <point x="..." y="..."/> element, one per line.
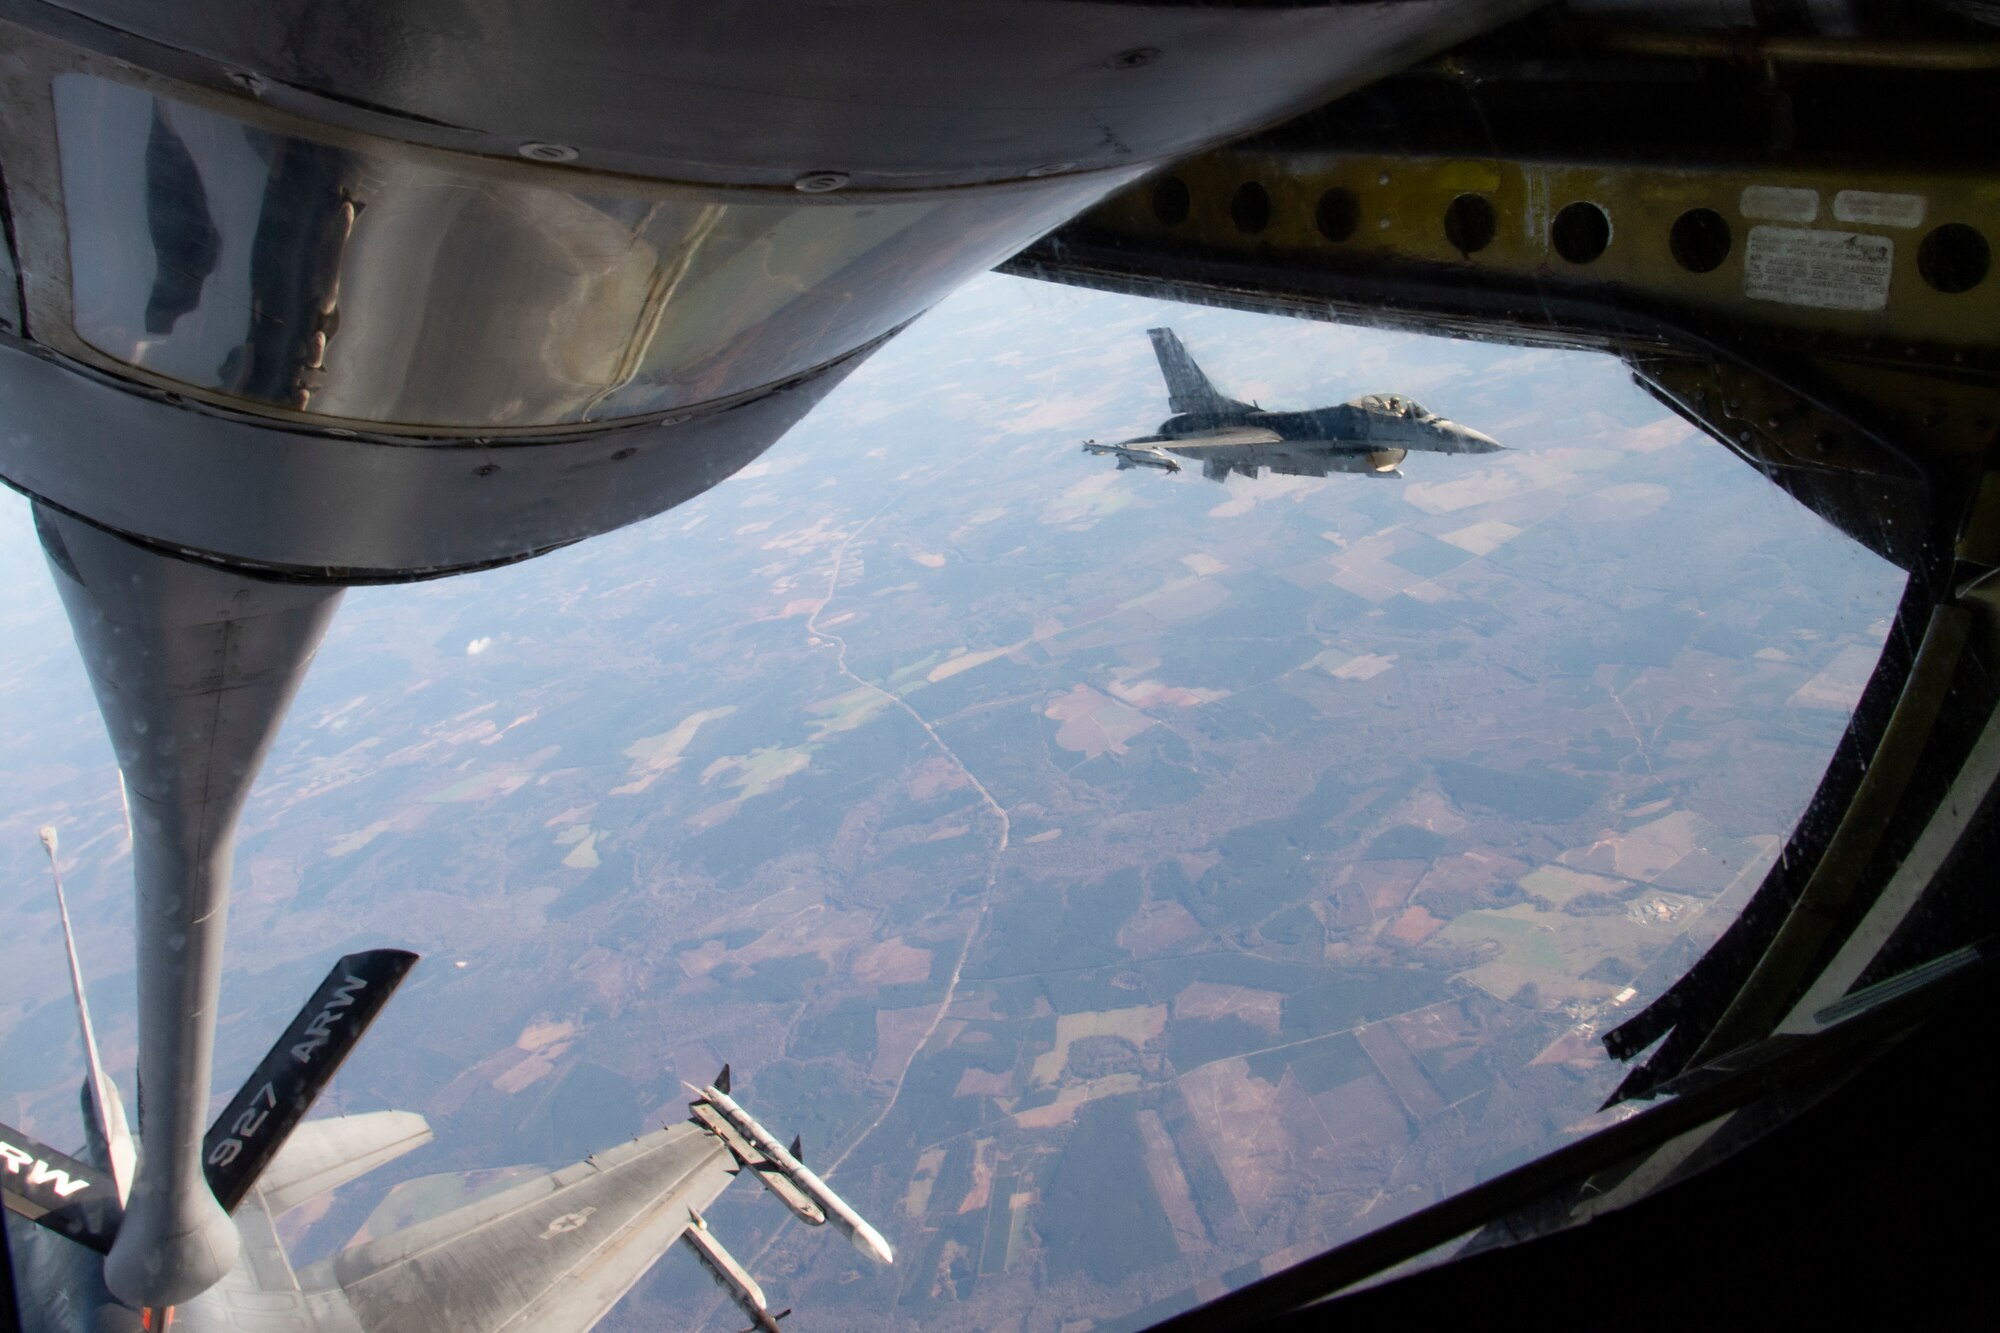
<point x="296" y="296"/>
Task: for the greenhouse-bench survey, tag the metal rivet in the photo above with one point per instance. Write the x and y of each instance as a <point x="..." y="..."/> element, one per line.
<point x="548" y="152"/>
<point x="820" y="182"/>
<point x="485" y="469"/>
<point x="1382" y="179"/>
<point x="625" y="453"/>
<point x="1052" y="169"/>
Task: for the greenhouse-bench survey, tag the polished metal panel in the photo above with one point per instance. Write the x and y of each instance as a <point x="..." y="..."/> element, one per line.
<point x="893" y="94"/>
<point x="319" y="506"/>
<point x="414" y="290"/>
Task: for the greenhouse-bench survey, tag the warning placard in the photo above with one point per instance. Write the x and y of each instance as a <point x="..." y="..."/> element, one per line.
<point x="1871" y="208"/>
<point x="1830" y="270"/>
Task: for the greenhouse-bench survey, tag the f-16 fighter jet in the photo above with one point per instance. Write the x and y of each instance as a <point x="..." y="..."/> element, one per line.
<point x="1371" y="434"/>
<point x="552" y="1254"/>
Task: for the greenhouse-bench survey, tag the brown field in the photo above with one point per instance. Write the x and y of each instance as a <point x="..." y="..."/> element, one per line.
<point x="1482" y="538"/>
<point x="1047" y="1117"/>
<point x="977" y="1082"/>
<point x="1158" y="694"/>
<point x="1208" y="999"/>
<point x="1365" y="570"/>
<point x="654" y="755"/>
<point x="1157" y="926"/>
<point x="897" y="1033"/>
<point x="1461" y="1027"/>
<point x="1839" y="686"/>
<point x="807" y="927"/>
<point x="1558" y="884"/>
<point x="1232" y="1110"/>
<point x="1163" y="1167"/>
<point x="1415" y="926"/>
<point x="1400" y="1070"/>
<point x="1471" y="871"/>
<point x="1140" y="1025"/>
<point x="1094" y="723"/>
<point x="1552" y="949"/>
<point x="1643" y="853"/>
<point x="1370" y="1135"/>
<point x="934" y="777"/>
<point x="981" y="1192"/>
<point x="1621" y="503"/>
<point x="1344" y="909"/>
<point x="1575" y="1049"/>
<point x="1387" y="885"/>
<point x="890" y="963"/>
<point x="917" y="1198"/>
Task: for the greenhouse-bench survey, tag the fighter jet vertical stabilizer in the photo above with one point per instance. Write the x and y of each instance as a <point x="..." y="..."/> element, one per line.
<point x="1188" y="389"/>
<point x="104" y="1108"/>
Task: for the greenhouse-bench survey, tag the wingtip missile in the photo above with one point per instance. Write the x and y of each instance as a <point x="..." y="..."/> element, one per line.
<point x="837" y="1210"/>
<point x="727" y="1272"/>
<point x="1130" y="456"/>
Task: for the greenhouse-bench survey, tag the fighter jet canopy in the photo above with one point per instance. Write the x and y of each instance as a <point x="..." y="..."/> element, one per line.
<point x="1397" y="405"/>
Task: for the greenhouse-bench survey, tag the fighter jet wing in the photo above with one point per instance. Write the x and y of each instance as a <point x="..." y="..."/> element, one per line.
<point x="325" y="1154"/>
<point x="552" y="1254"/>
<point x="1223" y="440"/>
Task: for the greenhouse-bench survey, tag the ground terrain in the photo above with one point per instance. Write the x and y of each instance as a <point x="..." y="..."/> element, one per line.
<point x="1127" y="884"/>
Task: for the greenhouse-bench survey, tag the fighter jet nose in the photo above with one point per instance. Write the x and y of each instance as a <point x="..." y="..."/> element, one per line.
<point x="1474" y="441"/>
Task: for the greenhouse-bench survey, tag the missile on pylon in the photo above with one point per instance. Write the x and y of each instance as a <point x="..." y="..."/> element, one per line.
<point x="1131" y="456"/>
<point x="731" y="1275"/>
<point x="768" y="1173"/>
<point x="865" y="1237"/>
